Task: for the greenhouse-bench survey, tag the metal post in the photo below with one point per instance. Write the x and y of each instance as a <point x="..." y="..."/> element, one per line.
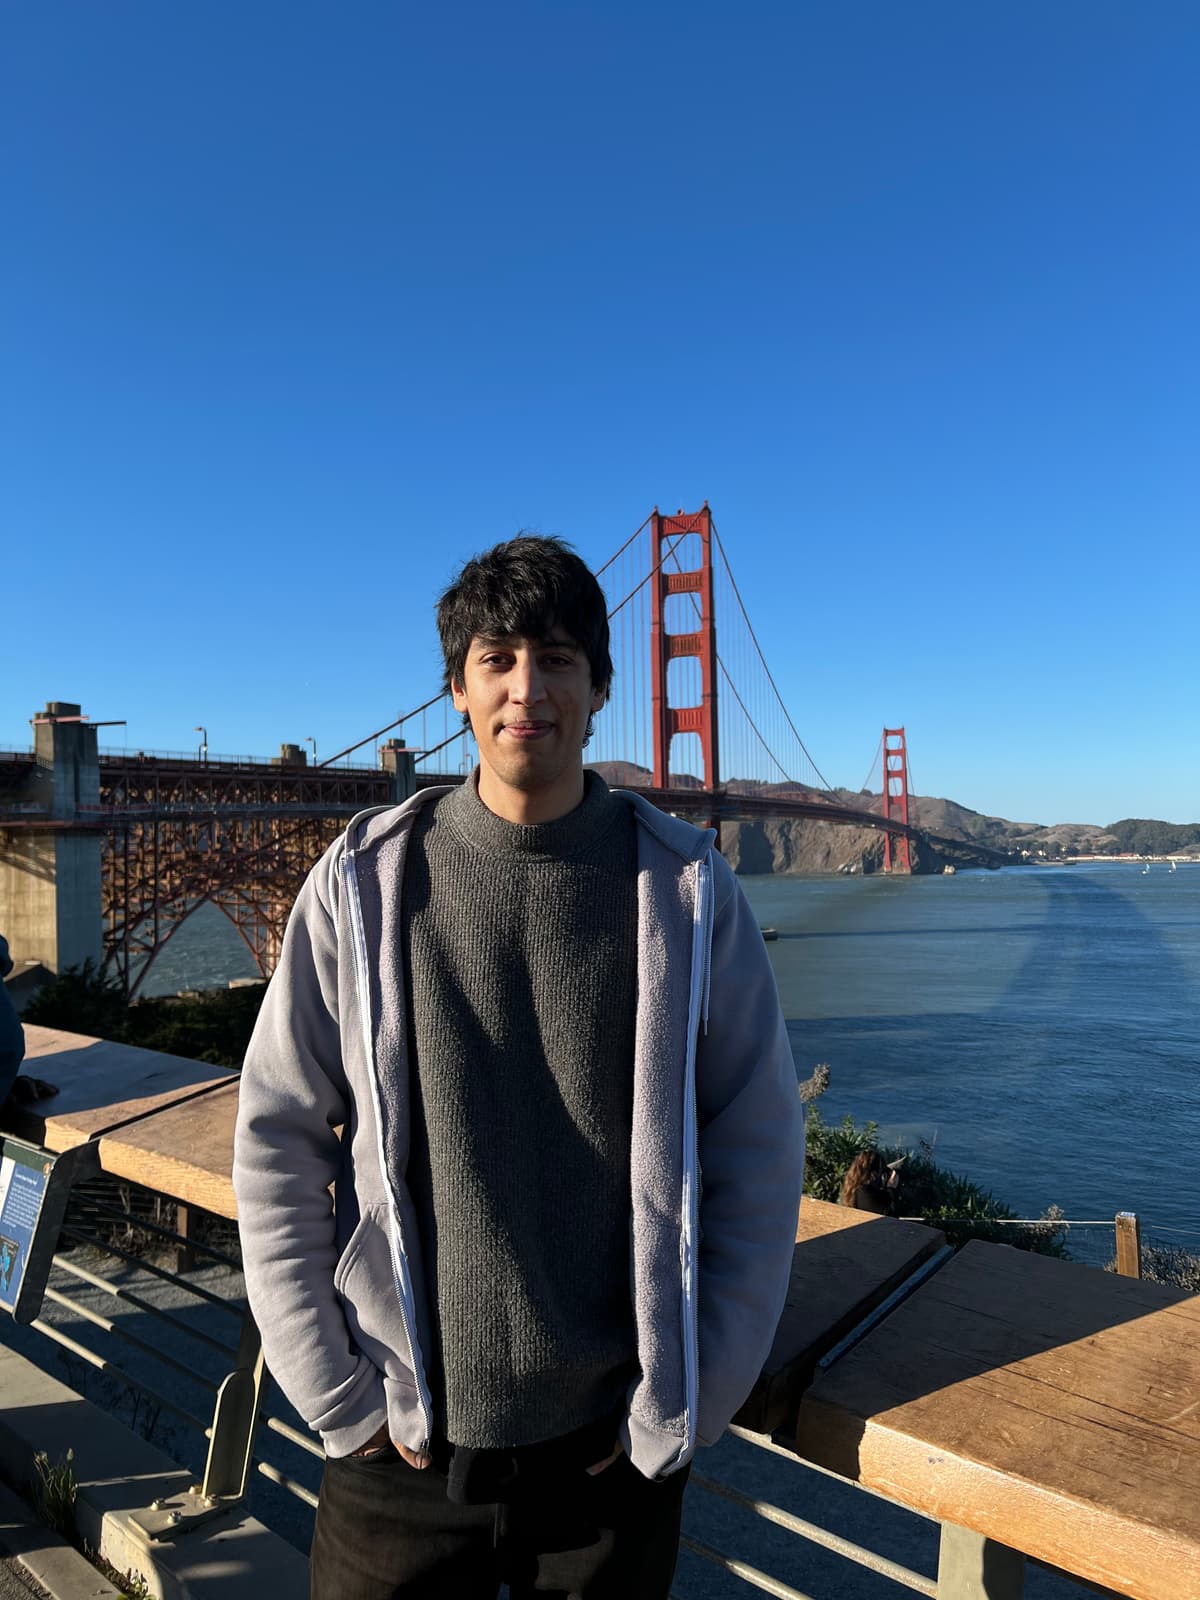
<point x="235" y="1418"/>
<point x="1129" y="1244"/>
<point x="185" y="1255"/>
<point x="972" y="1567"/>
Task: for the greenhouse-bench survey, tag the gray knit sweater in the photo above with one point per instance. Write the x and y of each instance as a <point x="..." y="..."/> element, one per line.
<point x="519" y="955"/>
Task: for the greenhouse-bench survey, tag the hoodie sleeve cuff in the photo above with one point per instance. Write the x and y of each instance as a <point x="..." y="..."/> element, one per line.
<point x="352" y="1432"/>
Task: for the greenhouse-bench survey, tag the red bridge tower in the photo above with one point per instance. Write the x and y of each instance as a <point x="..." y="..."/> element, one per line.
<point x="895" y="798"/>
<point x="665" y="534"/>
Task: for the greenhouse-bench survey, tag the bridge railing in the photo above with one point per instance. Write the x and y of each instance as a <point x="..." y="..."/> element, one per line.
<point x="193" y="758"/>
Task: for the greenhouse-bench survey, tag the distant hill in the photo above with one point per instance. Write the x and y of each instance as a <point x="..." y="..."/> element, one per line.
<point x="796" y="845"/>
<point x="1145" y="838"/>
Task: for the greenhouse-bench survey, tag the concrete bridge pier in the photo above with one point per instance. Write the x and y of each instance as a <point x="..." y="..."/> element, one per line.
<point x="50" y="897"/>
<point x="401" y="762"/>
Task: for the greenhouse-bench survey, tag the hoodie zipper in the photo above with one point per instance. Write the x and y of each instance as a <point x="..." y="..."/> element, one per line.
<point x="697" y="1016"/>
<point x="401" y="1273"/>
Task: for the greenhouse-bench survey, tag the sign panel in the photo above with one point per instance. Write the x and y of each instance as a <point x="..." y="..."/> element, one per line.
<point x="34" y="1187"/>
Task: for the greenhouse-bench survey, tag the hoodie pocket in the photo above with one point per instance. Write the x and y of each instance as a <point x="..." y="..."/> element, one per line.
<point x="365" y="1283"/>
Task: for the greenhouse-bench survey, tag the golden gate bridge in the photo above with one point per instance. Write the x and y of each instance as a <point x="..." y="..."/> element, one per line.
<point x="695" y="720"/>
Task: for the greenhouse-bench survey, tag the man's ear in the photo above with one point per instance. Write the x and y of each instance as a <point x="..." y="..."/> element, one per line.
<point x="459" y="695"/>
<point x="599" y="698"/>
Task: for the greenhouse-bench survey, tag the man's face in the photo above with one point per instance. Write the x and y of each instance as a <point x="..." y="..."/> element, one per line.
<point x="529" y="701"/>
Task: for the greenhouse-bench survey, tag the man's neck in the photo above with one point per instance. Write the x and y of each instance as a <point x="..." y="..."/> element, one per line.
<point x="529" y="809"/>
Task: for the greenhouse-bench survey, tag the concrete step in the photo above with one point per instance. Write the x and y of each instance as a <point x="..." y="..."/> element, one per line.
<point x="44" y="1556"/>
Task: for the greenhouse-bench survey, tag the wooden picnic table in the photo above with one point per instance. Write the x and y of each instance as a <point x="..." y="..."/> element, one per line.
<point x="101" y="1086"/>
<point x="1050" y="1407"/>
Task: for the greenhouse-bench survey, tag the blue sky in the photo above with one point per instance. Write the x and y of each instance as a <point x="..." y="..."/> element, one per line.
<point x="301" y="304"/>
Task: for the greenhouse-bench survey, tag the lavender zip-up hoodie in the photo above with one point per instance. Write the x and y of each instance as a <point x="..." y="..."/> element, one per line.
<point x="716" y="1160"/>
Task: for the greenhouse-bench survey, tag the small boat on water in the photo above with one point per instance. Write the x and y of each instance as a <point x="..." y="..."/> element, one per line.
<point x="769" y="933"/>
<point x="949" y="870"/>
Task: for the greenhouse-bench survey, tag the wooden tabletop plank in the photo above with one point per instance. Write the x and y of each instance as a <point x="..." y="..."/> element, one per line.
<point x="844" y="1264"/>
<point x="1047" y="1405"/>
<point x="101" y="1086"/>
<point x="185" y="1151"/>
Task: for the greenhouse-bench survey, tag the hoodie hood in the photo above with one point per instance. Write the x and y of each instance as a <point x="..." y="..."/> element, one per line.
<point x="373" y="827"/>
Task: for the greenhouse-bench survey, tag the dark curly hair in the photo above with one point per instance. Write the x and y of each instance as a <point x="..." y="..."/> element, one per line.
<point x="524" y="588"/>
<point x="868" y="1176"/>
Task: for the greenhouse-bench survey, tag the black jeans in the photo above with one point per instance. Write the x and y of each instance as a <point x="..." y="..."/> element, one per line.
<point x="386" y="1531"/>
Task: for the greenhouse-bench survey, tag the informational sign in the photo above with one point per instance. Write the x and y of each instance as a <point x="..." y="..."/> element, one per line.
<point x="34" y="1187"/>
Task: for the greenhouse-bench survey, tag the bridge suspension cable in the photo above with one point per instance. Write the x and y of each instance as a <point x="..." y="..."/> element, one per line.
<point x="379" y="732"/>
<point x="770" y="675"/>
<point x="865" y="786"/>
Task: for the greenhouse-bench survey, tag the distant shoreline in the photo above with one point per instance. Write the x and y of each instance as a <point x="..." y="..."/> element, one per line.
<point x="1132" y="860"/>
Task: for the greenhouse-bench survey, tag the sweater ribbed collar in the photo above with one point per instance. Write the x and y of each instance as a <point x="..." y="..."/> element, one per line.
<point x="576" y="834"/>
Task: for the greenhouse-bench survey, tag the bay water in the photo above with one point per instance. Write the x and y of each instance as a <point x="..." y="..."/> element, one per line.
<point x="1040" y="1027"/>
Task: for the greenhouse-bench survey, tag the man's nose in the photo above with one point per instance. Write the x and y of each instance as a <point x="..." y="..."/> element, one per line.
<point x="528" y="685"/>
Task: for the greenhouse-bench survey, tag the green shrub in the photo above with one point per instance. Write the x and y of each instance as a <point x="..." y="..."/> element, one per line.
<point x="212" y="1027"/>
<point x="55" y="1491"/>
<point x="82" y="1000"/>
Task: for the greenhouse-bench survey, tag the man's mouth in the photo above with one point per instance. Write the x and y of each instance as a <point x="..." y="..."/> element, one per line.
<point x="527" y="730"/>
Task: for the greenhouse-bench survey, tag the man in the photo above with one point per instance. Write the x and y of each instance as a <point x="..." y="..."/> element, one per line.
<point x="565" y="1190"/>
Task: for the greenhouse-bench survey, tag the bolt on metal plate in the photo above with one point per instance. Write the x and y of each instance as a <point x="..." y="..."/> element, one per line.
<point x="177" y="1514"/>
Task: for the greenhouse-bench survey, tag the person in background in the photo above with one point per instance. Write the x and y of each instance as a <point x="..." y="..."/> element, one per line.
<point x="871" y="1184"/>
<point x="12" y="1035"/>
<point x="565" y="1195"/>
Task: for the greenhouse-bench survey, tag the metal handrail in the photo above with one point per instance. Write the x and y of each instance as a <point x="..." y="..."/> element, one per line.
<point x="273" y="1475"/>
<point x="111" y="1369"/>
<point x="742" y="1569"/>
<point x="164" y="1232"/>
<point x="828" y="1541"/>
<point x="193" y="758"/>
<point x="135" y="1260"/>
<point x="304" y="1442"/>
<point x="119" y="1293"/>
<point x="147" y="1349"/>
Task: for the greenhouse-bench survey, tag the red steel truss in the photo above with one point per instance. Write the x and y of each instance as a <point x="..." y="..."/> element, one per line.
<point x="178" y="834"/>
